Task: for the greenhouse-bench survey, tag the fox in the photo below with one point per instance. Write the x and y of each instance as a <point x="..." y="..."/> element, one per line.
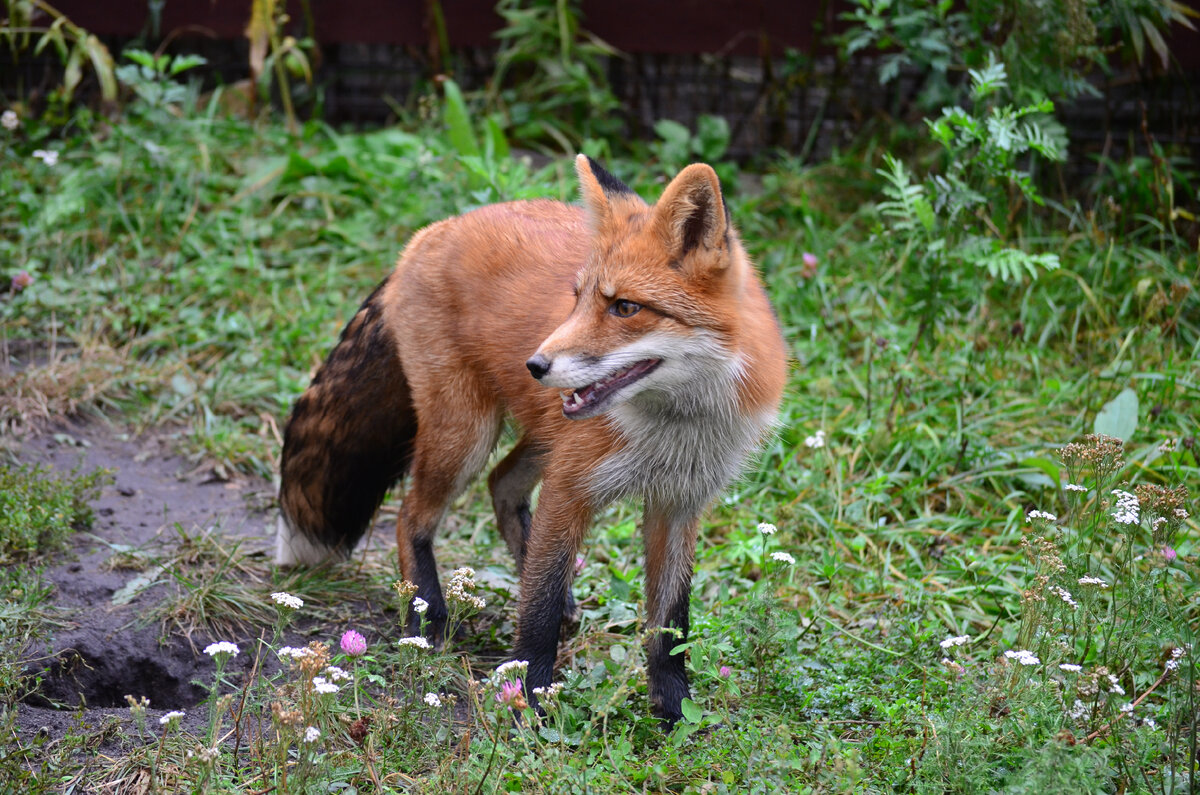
<point x="632" y="346"/>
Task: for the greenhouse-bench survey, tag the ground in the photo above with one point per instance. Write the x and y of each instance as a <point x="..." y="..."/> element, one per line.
<point x="99" y="651"/>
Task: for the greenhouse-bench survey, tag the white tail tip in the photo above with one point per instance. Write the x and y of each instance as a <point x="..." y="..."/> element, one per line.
<point x="295" y="549"/>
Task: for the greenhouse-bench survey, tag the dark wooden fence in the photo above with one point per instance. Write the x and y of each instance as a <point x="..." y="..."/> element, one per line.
<point x="680" y="59"/>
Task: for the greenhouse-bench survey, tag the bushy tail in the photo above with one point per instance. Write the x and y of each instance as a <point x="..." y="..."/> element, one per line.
<point x="348" y="441"/>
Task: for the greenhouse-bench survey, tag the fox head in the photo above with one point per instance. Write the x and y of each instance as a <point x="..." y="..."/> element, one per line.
<point x="657" y="299"/>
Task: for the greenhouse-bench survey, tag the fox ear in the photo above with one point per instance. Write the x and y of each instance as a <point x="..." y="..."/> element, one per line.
<point x="599" y="188"/>
<point x="691" y="212"/>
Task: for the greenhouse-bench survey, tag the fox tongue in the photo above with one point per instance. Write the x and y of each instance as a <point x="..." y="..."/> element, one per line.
<point x="589" y="396"/>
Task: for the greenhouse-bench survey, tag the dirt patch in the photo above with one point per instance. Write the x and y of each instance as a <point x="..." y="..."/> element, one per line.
<point x="103" y="649"/>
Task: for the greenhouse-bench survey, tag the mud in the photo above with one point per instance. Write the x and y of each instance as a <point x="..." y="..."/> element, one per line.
<point x="98" y="652"/>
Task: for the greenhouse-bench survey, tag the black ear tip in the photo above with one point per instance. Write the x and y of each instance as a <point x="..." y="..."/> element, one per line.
<point x="608" y="183"/>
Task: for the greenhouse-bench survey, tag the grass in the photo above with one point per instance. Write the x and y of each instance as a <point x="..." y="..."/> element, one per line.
<point x="195" y="269"/>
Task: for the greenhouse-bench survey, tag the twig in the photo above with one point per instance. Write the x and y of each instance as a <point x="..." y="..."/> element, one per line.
<point x="1121" y="715"/>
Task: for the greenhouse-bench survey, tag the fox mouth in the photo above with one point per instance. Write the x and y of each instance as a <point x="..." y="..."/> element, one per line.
<point x="588" y="400"/>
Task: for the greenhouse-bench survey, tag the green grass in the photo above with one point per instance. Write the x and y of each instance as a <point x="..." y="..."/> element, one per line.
<point x="195" y="270"/>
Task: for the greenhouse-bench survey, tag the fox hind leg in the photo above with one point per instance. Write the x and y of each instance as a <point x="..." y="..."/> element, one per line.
<point x="451" y="448"/>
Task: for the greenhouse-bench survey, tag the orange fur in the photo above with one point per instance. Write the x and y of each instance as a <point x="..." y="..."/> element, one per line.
<point x="652" y="322"/>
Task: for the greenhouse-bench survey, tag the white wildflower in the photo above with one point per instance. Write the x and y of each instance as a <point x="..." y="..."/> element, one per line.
<point x="1181" y="514"/>
<point x="322" y="685"/>
<point x="766" y="528"/>
<point x="1032" y="515"/>
<point x="417" y="642"/>
<point x="1078" y="710"/>
<point x="783" y="557"/>
<point x="1127" y="507"/>
<point x="285" y="599"/>
<point x="419" y="605"/>
<point x="336" y="674"/>
<point x="816" y="441"/>
<point x="957" y="640"/>
<point x="1149" y="723"/>
<point x="1127" y="707"/>
<point x="1089" y="580"/>
<point x="293" y="652"/>
<point x="1075" y="487"/>
<point x="516" y="667"/>
<point x="9" y="120"/>
<point x="433" y="700"/>
<point x="1071" y="667"/>
<point x="47" y="156"/>
<point x="1023" y="656"/>
<point x="171" y="716"/>
<point x="1065" y="595"/>
<point x="221" y="647"/>
<point x="312" y="734"/>
<point x="1114" y="685"/>
<point x="548" y="692"/>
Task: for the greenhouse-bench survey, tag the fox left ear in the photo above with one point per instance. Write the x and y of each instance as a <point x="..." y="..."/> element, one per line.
<point x="691" y="212"/>
<point x="600" y="190"/>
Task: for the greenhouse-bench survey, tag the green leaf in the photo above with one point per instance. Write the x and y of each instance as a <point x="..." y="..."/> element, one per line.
<point x="691" y="711"/>
<point x="458" y="121"/>
<point x="1119" y="416"/>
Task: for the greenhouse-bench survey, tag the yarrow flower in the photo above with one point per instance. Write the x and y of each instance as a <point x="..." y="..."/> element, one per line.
<point x="1071" y="667"/>
<point x="548" y="692"/>
<point x="353" y="643"/>
<point x="1114" y="685"/>
<point x="512" y="666"/>
<point x="767" y="529"/>
<point x="172" y="716"/>
<point x="462" y="582"/>
<point x="312" y="734"/>
<point x="47" y="156"/>
<point x="293" y="652"/>
<point x="1075" y="487"/>
<point x="285" y="599"/>
<point x="1176" y="655"/>
<point x="1032" y="515"/>
<point x="1089" y="580"/>
<point x="416" y="641"/>
<point x="433" y="700"/>
<point x="336" y="674"/>
<point x="1127" y="507"/>
<point x="1065" y="595"/>
<point x="9" y="119"/>
<point x="783" y="557"/>
<point x="816" y="441"/>
<point x="1023" y="656"/>
<point x="957" y="640"/>
<point x="419" y="605"/>
<point x="221" y="647"/>
<point x="324" y="686"/>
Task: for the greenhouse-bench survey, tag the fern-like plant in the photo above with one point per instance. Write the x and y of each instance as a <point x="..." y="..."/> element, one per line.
<point x="957" y="226"/>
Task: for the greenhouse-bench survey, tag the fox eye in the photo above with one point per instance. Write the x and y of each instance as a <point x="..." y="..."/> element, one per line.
<point x="623" y="308"/>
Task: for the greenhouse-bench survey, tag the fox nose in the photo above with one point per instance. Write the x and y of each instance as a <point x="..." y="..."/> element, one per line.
<point x="538" y="366"/>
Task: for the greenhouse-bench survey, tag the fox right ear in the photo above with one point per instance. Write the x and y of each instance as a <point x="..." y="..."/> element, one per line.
<point x="599" y="188"/>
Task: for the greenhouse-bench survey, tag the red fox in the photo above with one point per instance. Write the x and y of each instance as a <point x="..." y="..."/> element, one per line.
<point x="633" y="345"/>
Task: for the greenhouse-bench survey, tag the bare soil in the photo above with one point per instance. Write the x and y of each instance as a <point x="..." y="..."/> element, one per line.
<point x="99" y="652"/>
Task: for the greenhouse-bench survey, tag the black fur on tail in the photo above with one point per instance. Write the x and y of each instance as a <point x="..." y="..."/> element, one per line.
<point x="349" y="438"/>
